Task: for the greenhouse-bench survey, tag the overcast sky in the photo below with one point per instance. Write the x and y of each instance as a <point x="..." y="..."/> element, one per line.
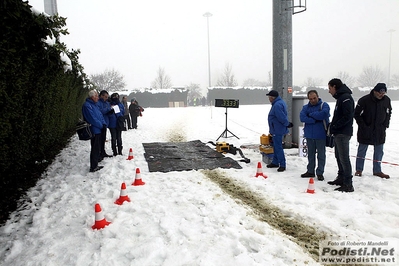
<point x="136" y="37"/>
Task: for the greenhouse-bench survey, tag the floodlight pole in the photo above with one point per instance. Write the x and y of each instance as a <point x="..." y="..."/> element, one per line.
<point x="50" y="7"/>
<point x="282" y="55"/>
<point x="208" y="15"/>
<point x="389" y="64"/>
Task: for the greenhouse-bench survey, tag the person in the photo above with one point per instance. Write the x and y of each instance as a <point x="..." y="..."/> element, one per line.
<point x="135" y="111"/>
<point x="341" y="127"/>
<point x="105" y="109"/>
<point x="315" y="115"/>
<point x="126" y="114"/>
<point x="91" y="113"/>
<point x="114" y="128"/>
<point x="278" y="127"/>
<point x="372" y="114"/>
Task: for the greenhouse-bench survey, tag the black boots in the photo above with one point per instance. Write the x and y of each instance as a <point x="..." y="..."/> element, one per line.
<point x="345" y="188"/>
<point x="339" y="181"/>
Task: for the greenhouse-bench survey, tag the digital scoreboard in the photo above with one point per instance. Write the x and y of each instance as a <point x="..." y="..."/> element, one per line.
<point x="227" y="103"/>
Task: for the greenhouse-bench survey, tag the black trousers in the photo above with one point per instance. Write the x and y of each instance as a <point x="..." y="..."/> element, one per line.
<point x="103" y="139"/>
<point x="127" y="118"/>
<point x="95" y="150"/>
<point x="134" y="121"/>
<point x="116" y="140"/>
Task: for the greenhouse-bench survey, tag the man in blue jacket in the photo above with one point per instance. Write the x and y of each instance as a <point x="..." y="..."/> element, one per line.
<point x="342" y="128"/>
<point x="91" y="113"/>
<point x="315" y="115"/>
<point x="106" y="110"/>
<point x="278" y="127"/>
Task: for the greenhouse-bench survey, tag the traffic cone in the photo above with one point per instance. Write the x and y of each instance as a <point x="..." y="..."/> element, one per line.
<point x="137" y="180"/>
<point x="100" y="221"/>
<point x="259" y="171"/>
<point x="123" y="196"/>
<point x="130" y="157"/>
<point x="311" y="186"/>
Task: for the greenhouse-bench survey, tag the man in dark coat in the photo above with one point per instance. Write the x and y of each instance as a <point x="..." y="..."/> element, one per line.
<point x="372" y="114"/>
<point x="341" y="127"/>
<point x="135" y="111"/>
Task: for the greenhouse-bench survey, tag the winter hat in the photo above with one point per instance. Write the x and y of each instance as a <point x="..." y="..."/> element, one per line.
<point x="380" y="87"/>
<point x="272" y="93"/>
<point x="114" y="95"/>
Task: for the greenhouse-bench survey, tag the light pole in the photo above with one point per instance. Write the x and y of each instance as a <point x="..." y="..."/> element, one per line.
<point x="208" y="15"/>
<point x="389" y="64"/>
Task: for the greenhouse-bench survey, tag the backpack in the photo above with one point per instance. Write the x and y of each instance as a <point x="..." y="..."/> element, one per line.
<point x="121" y="123"/>
<point x="83" y="130"/>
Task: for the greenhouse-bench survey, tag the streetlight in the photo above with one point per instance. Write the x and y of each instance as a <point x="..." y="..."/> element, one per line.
<point x="208" y="15"/>
<point x="390" y="47"/>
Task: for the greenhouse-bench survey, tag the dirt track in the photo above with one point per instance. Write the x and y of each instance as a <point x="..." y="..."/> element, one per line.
<point x="304" y="235"/>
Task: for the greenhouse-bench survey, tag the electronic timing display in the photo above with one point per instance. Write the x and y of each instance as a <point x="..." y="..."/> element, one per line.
<point x="227" y="103"/>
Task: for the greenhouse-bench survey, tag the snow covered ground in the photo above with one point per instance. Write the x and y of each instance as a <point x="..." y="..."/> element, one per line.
<point x="186" y="218"/>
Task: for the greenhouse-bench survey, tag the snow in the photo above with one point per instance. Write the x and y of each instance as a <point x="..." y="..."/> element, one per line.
<point x="185" y="218"/>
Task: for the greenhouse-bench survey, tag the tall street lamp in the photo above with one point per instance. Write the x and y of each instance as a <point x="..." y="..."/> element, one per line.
<point x="208" y="15"/>
<point x="390" y="47"/>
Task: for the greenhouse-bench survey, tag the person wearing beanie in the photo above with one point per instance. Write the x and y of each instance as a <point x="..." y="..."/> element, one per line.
<point x="135" y="111"/>
<point x="372" y="114"/>
<point x="341" y="127"/>
<point x="117" y="125"/>
<point x="278" y="127"/>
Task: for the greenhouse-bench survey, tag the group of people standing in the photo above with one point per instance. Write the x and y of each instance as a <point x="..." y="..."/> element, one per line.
<point x="103" y="112"/>
<point x="372" y="113"/>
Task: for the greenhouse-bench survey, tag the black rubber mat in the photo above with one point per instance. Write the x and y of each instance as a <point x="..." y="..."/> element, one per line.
<point x="184" y="156"/>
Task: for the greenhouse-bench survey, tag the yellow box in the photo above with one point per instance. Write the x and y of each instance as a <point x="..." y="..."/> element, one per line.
<point x="222" y="147"/>
<point x="266" y="149"/>
<point x="264" y="140"/>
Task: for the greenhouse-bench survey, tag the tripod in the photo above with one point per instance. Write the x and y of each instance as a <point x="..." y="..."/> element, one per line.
<point x="224" y="133"/>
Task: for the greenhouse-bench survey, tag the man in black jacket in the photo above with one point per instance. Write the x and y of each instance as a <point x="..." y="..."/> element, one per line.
<point x="372" y="114"/>
<point x="341" y="127"/>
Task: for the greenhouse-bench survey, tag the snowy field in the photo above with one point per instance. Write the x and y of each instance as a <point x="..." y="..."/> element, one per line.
<point x="188" y="218"/>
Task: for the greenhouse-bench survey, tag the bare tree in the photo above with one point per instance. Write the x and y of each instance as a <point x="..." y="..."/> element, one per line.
<point x="227" y="79"/>
<point x="371" y="76"/>
<point x="254" y="83"/>
<point x="394" y="80"/>
<point x="346" y="78"/>
<point x="251" y="83"/>
<point x="109" y="80"/>
<point x="313" y="82"/>
<point x="194" y="91"/>
<point x="162" y="81"/>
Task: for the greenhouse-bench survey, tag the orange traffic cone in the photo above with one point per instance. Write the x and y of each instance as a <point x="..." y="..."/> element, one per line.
<point x="137" y="180"/>
<point x="130" y="157"/>
<point x="259" y="171"/>
<point x="311" y="186"/>
<point x="123" y="196"/>
<point x="100" y="221"/>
